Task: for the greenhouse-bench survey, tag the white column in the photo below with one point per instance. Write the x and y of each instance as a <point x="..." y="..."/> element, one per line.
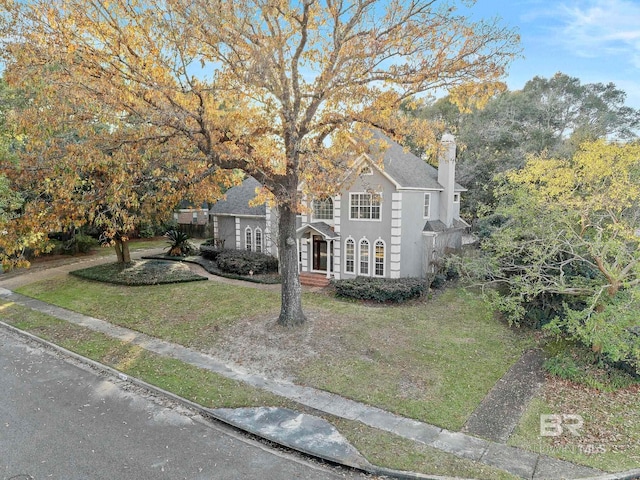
<point x="329" y="258"/>
<point x="396" y="233"/>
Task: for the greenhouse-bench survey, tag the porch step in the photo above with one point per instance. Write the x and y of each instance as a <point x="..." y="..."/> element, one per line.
<point x="313" y="279"/>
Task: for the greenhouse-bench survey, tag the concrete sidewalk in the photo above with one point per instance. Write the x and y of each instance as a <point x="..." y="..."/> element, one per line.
<point x="519" y="462"/>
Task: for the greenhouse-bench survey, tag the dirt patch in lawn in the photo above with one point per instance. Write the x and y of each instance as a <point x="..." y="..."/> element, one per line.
<point x="261" y="346"/>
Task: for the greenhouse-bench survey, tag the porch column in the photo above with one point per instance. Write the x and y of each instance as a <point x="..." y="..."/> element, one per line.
<point x="329" y="258"/>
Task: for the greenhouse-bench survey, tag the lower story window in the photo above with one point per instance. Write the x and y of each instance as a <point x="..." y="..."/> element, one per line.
<point x="258" y="240"/>
<point x="350" y="255"/>
<point x="248" y="239"/>
<point x="364" y="257"/>
<point x="379" y="259"/>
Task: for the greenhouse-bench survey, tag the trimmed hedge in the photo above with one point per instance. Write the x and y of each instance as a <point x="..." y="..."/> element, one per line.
<point x="241" y="262"/>
<point x="380" y="289"/>
<point x="210" y="252"/>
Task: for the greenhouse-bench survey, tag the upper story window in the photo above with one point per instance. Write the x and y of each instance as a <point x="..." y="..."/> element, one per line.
<point x="323" y="209"/>
<point x="427" y="205"/>
<point x="364" y="206"/>
<point x="456" y="198"/>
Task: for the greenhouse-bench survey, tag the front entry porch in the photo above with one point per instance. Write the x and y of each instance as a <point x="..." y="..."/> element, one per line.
<point x="315" y="247"/>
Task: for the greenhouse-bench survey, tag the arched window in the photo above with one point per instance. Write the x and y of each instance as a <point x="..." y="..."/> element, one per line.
<point x="363" y="264"/>
<point x="349" y="256"/>
<point x="323" y="209"/>
<point x="378" y="269"/>
<point x="248" y="239"/>
<point x="258" y="239"/>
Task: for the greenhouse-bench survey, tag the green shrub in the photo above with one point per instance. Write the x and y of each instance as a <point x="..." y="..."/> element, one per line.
<point x="580" y="364"/>
<point x="241" y="262"/>
<point x="210" y="252"/>
<point x="380" y="289"/>
<point x="78" y="243"/>
<point x="563" y="366"/>
<point x="439" y="281"/>
<point x="85" y="243"/>
<point x="153" y="228"/>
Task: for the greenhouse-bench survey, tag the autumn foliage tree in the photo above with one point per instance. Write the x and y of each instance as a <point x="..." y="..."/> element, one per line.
<point x="566" y="250"/>
<point x="77" y="166"/>
<point x="277" y="89"/>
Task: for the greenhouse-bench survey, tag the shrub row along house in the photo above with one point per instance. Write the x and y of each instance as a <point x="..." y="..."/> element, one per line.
<point x="394" y="220"/>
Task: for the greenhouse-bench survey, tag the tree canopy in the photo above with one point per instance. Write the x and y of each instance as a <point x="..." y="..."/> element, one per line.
<point x="276" y="89"/>
<point x="565" y="247"/>
<point x="553" y="115"/>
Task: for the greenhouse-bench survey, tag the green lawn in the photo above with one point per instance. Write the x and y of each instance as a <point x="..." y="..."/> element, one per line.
<point x="214" y="391"/>
<point x="433" y="360"/>
<point x="609" y="438"/>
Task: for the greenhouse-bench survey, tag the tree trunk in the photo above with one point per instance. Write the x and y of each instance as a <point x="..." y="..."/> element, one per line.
<point x="291" y="313"/>
<point x="126" y="255"/>
<point x="117" y="246"/>
<point x="122" y="251"/>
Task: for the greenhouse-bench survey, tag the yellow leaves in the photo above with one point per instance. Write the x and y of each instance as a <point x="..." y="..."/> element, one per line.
<point x="600" y="186"/>
<point x="475" y="95"/>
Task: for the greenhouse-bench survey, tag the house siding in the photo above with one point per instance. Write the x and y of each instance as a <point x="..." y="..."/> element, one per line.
<point x="186" y="217"/>
<point x="366" y="229"/>
<point x="412" y="245"/>
<point x="226" y="231"/>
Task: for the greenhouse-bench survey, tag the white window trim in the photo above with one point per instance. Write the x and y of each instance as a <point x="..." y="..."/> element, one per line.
<point x="426" y="195"/>
<point x="255" y="240"/>
<point x="313" y="212"/>
<point x="368" y="274"/>
<point x="379" y="195"/>
<point x="250" y="245"/>
<point x="456" y="197"/>
<point x="384" y="258"/>
<point x="355" y="251"/>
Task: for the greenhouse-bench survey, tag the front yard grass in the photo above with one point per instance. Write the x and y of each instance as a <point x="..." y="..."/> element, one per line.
<point x="609" y="438"/>
<point x="214" y="391"/>
<point x="433" y="360"/>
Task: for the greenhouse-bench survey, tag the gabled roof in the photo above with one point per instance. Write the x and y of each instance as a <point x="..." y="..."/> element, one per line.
<point x="406" y="169"/>
<point x="236" y="201"/>
<point x="320" y="227"/>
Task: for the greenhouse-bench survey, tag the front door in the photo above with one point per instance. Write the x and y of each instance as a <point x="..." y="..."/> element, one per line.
<point x="319" y="254"/>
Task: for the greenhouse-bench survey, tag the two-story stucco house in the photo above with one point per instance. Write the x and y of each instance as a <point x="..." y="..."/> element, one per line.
<point x="391" y="220"/>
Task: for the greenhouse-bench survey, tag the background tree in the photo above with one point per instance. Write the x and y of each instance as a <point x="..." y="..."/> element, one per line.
<point x="567" y="249"/>
<point x="77" y="167"/>
<point x="14" y="238"/>
<point x="277" y="89"/>
<point x="552" y="115"/>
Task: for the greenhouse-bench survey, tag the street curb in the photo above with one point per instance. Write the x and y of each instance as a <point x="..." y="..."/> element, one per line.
<point x="210" y="413"/>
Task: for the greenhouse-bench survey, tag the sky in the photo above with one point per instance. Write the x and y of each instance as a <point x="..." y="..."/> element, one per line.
<point x="597" y="41"/>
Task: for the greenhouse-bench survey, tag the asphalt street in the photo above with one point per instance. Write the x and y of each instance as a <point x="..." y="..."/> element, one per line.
<point x="62" y="420"/>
